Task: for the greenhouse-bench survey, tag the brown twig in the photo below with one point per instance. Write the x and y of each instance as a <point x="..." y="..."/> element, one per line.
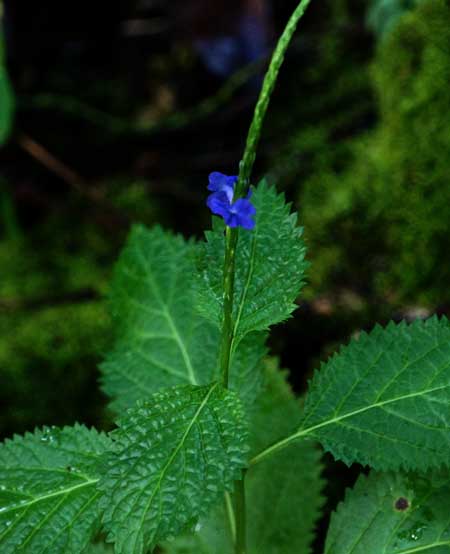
<point x="67" y="174"/>
<point x="56" y="166"/>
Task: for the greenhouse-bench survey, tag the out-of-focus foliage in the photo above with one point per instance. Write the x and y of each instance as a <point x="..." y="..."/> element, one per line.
<point x="53" y="328"/>
<point x="54" y="325"/>
<point x="380" y="223"/>
<point x="383" y="14"/>
<point x="309" y="119"/>
<point x="6" y="92"/>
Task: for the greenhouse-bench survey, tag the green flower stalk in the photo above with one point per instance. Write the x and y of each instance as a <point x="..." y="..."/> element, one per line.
<point x="240" y="190"/>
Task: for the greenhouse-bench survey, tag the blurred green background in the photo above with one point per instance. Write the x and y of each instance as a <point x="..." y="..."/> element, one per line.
<point x="117" y="112"/>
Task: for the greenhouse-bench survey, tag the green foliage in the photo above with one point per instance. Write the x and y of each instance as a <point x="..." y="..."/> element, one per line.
<point x="51" y="326"/>
<point x="170" y="466"/>
<point x="270" y="267"/>
<point x="384" y="399"/>
<point x="39" y="349"/>
<point x="53" y="319"/>
<point x="100" y="548"/>
<point x="278" y="522"/>
<point x="389" y="198"/>
<point x="393" y="514"/>
<point x="7" y="103"/>
<point x="285" y="491"/>
<point x="383" y="14"/>
<point x="175" y="455"/>
<point x="210" y="536"/>
<point x="153" y="312"/>
<point x="48" y="496"/>
<point x="305" y="138"/>
<point x="161" y="339"/>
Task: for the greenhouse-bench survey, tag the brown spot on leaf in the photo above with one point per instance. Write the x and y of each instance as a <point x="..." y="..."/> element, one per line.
<point x="401" y="504"/>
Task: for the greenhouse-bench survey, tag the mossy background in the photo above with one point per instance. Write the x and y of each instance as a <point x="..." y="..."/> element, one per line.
<point x="112" y="128"/>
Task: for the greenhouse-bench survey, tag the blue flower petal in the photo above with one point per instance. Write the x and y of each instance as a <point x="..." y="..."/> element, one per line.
<point x="240" y="215"/>
<point x="243" y="207"/>
<point x="219" y="182"/>
<point x="219" y="204"/>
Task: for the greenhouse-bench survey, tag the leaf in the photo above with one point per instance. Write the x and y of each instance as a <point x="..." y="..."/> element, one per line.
<point x="210" y="536"/>
<point x="175" y="456"/>
<point x="247" y="368"/>
<point x="384" y="400"/>
<point x="48" y="498"/>
<point x="100" y="548"/>
<point x="283" y="493"/>
<point x="270" y="267"/>
<point x="7" y="103"/>
<point x="392" y="514"/>
<point x="162" y="341"/>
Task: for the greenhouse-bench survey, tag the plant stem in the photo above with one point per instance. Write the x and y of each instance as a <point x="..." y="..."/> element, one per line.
<point x="273" y="449"/>
<point x="245" y="170"/>
<point x="231" y="516"/>
<point x="231" y="237"/>
<point x="270" y="80"/>
<point x="240" y="510"/>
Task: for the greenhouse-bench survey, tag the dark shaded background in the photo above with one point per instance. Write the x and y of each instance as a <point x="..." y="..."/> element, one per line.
<point x="120" y="119"/>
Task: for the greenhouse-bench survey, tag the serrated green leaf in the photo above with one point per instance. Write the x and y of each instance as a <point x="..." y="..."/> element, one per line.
<point x="100" y="548"/>
<point x="283" y="493"/>
<point x="49" y="503"/>
<point x="384" y="400"/>
<point x="270" y="267"/>
<point x="210" y="536"/>
<point x="392" y="514"/>
<point x="175" y="456"/>
<point x="162" y="340"/>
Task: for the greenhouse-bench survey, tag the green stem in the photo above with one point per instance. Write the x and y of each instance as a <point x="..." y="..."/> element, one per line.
<point x="240" y="509"/>
<point x="270" y="80"/>
<point x="231" y="516"/>
<point x="274" y="448"/>
<point x="231" y="237"/>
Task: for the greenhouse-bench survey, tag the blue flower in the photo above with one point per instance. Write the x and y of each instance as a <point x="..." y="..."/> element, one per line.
<point x="236" y="214"/>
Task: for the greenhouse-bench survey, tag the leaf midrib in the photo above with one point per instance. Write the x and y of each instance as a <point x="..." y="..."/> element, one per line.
<point x="27" y="504"/>
<point x="251" y="266"/>
<point x="35" y="500"/>
<point x="168" y="316"/>
<point x="309" y="430"/>
<point x="175" y="453"/>
<point x="424" y="547"/>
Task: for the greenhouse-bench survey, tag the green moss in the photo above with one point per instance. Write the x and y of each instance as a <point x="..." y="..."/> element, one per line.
<point x="387" y="212"/>
<point x="384" y="14"/>
<point x="53" y="322"/>
<point x="48" y="363"/>
<point x="309" y="117"/>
